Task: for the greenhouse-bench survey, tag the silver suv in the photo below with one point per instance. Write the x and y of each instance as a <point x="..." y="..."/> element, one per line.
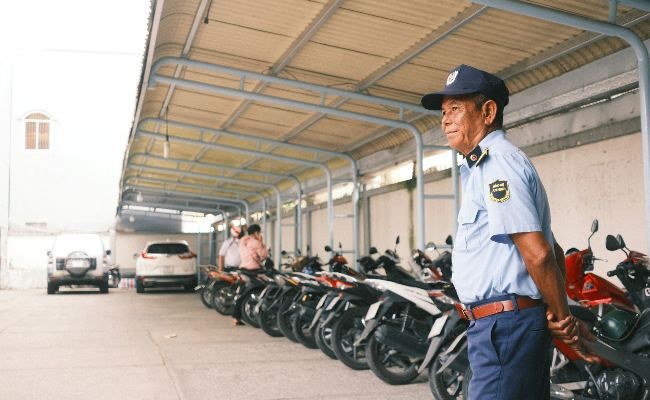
<point x="77" y="259"/>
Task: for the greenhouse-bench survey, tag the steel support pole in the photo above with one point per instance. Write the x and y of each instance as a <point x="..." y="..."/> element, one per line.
<point x="420" y="223"/>
<point x="353" y="162"/>
<point x="604" y="28"/>
<point x="278" y="243"/>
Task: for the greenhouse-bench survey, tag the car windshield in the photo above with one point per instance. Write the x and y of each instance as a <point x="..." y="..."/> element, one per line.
<point x="168" y="248"/>
<point x="66" y="244"/>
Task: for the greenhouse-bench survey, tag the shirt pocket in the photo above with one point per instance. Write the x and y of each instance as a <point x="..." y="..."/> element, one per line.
<point x="469" y="230"/>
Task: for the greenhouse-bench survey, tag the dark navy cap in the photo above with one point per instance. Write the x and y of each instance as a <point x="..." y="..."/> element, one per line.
<point x="467" y="80"/>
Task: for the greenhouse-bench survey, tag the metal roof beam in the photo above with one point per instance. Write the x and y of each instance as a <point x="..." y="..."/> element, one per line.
<point x="401" y="106"/>
<point x="222" y="202"/>
<point x="323" y="166"/>
<point x="326" y="12"/>
<point x="419" y="155"/>
<point x="180" y="161"/>
<point x="243" y="202"/>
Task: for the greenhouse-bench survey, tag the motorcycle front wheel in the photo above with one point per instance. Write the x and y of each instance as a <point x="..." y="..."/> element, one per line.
<point x="300" y="328"/>
<point x="449" y="383"/>
<point x="344" y="333"/>
<point x="323" y="338"/>
<point x="223" y="298"/>
<point x="248" y="313"/>
<point x="268" y="320"/>
<point x="206" y="295"/>
<point x="390" y="365"/>
<point x="284" y="319"/>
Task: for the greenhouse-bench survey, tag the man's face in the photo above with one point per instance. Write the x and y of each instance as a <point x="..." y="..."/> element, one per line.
<point x="462" y="122"/>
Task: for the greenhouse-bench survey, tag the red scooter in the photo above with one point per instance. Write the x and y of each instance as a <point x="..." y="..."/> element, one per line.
<point x="587" y="288"/>
<point x="622" y="332"/>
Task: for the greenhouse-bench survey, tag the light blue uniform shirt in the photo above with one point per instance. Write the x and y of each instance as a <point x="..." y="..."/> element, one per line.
<point x="502" y="195"/>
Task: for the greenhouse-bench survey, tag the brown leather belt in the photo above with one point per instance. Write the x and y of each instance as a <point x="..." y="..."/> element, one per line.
<point x="497" y="307"/>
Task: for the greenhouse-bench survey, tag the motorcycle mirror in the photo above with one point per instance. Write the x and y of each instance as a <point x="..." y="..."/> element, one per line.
<point x="108" y="252"/>
<point x="594" y="228"/>
<point x="283" y="252"/>
<point x="340" y="246"/>
<point x="397" y="240"/>
<point x="298" y="252"/>
<point x="328" y="248"/>
<point x="49" y="253"/>
<point x="449" y="240"/>
<point x="620" y="241"/>
<point x="373" y="250"/>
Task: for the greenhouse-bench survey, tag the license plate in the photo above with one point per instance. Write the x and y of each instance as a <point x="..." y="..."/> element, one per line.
<point x="321" y="302"/>
<point x="438" y="325"/>
<point x="168" y="269"/>
<point x="372" y="310"/>
<point x="332" y="303"/>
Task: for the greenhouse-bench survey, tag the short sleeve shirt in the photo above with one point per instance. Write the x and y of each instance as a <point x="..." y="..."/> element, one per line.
<point x="502" y="195"/>
<point x="230" y="251"/>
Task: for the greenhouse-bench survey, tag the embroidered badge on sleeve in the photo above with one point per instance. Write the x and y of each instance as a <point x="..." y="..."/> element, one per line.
<point x="499" y="191"/>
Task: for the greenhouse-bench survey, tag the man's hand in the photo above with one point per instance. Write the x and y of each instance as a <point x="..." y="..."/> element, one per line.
<point x="574" y="333"/>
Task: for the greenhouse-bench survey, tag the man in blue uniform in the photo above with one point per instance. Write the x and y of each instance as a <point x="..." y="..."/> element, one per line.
<point x="507" y="267"/>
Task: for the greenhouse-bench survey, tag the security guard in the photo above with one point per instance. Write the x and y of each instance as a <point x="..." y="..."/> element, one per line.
<point x="504" y="264"/>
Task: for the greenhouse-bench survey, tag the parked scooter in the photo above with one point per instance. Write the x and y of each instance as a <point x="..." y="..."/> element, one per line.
<point x="623" y="338"/>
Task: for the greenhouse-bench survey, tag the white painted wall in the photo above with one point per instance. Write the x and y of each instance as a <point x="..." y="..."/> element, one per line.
<point x="73" y="185"/>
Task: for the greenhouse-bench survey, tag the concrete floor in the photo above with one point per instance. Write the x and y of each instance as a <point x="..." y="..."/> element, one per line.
<point x="164" y="345"/>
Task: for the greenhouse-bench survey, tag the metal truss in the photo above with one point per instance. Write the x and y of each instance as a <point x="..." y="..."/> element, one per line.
<point x="309" y="163"/>
<point x="324" y="91"/>
<point x="610" y="29"/>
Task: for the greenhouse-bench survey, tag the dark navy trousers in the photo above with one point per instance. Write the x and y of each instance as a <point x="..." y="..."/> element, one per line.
<point x="509" y="355"/>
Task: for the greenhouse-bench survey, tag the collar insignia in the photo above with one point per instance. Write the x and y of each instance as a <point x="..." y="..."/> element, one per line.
<point x="476" y="156"/>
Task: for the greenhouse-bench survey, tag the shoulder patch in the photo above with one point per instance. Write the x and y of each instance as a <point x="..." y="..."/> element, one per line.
<point x="499" y="191"/>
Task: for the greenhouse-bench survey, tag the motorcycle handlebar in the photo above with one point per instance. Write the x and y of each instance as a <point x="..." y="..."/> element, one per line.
<point x="611" y="273"/>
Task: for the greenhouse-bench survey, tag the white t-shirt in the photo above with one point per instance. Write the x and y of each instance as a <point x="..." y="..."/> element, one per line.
<point x="230" y="250"/>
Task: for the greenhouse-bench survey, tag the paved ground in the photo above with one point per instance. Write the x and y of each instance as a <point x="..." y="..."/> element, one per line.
<point x="83" y="345"/>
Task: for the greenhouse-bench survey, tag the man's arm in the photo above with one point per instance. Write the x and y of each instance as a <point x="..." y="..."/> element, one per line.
<point x="559" y="259"/>
<point x="221" y="258"/>
<point x="543" y="268"/>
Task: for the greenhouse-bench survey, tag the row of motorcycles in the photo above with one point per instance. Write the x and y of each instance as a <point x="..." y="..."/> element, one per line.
<point x="402" y="322"/>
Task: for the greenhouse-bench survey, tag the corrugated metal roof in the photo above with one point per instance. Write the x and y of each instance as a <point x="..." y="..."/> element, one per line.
<point x="387" y="48"/>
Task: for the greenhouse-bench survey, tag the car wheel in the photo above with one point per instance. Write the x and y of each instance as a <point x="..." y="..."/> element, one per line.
<point x="103" y="287"/>
<point x="139" y="287"/>
<point x="51" y="288"/>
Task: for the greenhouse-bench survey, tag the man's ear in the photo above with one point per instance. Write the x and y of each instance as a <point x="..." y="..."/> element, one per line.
<point x="489" y="110"/>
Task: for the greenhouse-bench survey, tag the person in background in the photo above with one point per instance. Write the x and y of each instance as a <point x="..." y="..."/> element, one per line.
<point x="252" y="252"/>
<point x="229" y="252"/>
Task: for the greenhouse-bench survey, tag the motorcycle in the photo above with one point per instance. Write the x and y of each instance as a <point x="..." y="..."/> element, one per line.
<point x="623" y="339"/>
<point x="397" y="326"/>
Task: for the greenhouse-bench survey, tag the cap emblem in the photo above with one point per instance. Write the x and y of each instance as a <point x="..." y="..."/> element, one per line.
<point x="473" y="157"/>
<point x="452" y="77"/>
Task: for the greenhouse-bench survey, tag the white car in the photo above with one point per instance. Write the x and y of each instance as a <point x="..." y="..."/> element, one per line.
<point x="165" y="264"/>
<point x="77" y="259"/>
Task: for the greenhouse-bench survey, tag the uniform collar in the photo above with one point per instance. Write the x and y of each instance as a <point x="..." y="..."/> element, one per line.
<point x="480" y="152"/>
